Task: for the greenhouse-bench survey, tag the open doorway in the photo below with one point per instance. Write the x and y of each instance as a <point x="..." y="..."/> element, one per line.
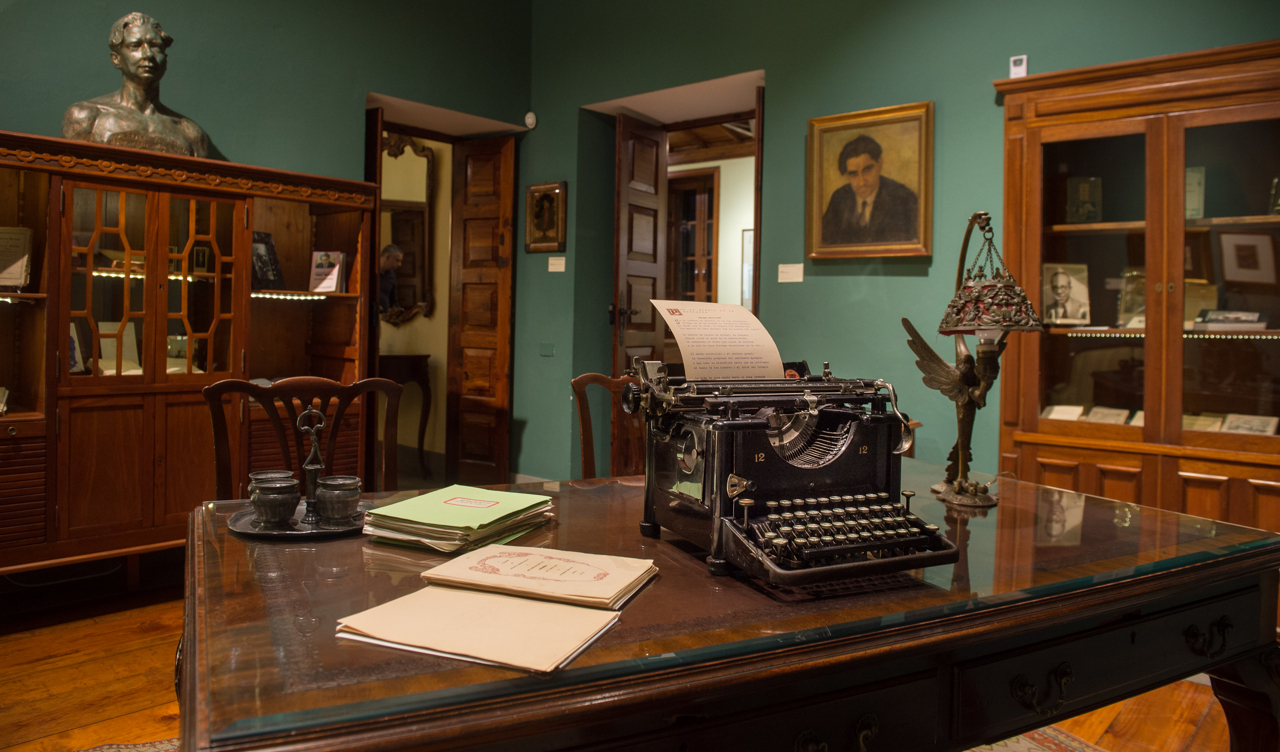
<point x="447" y="188"/>
<point x="676" y="245"/>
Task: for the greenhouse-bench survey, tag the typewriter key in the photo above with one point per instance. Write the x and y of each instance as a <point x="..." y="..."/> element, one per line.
<point x="825" y="526"/>
<point x="932" y="528"/>
<point x="823" y="501"/>
<point x="827" y="540"/>
<point x="847" y="500"/>
<point x="787" y="516"/>
<point x="860" y="498"/>
<point x="906" y="496"/>
<point x="786" y="505"/>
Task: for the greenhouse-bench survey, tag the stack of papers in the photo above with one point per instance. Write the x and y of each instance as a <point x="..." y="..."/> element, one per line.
<point x="459" y="517"/>
<point x="528" y="608"/>
<point x="566" y="576"/>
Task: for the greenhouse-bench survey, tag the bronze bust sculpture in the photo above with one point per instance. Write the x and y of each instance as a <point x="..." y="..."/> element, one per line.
<point x="134" y="116"/>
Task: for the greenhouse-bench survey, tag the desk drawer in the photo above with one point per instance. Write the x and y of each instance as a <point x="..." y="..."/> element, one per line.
<point x="898" y="716"/>
<point x="1005" y="690"/>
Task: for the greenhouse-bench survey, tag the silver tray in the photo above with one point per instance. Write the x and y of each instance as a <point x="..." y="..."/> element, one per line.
<point x="242" y="522"/>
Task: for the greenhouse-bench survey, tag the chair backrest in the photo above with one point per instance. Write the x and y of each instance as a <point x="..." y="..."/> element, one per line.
<point x="308" y="391"/>
<point x="627" y="431"/>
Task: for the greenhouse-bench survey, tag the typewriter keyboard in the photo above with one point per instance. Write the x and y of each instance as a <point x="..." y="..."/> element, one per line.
<point x="816" y="532"/>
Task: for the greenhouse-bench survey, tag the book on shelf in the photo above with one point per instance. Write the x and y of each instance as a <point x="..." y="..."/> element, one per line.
<point x="1258" y="425"/>
<point x="594" y="580"/>
<point x="1230" y="321"/>
<point x="1113" y="415"/>
<point x="15" y="256"/>
<point x="458" y="518"/>
<point x="328" y="272"/>
<point x="4" y="400"/>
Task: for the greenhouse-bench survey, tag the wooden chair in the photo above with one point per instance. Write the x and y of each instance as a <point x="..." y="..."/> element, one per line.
<point x="627" y="431"/>
<point x="307" y="391"/>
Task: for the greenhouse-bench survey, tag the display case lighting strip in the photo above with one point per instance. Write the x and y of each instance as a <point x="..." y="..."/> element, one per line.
<point x="1121" y="335"/>
<point x="286" y="296"/>
<point x="179" y="278"/>
<point x="1230" y="335"/>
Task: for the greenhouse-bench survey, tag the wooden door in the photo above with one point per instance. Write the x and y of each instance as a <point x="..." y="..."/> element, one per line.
<point x="105" y="469"/>
<point x="640" y="241"/>
<point x="480" y="287"/>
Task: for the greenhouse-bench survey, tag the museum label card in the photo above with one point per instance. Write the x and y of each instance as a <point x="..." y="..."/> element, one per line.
<point x="720" y="340"/>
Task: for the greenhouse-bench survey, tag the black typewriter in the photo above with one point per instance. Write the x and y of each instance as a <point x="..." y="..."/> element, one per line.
<point x="795" y="481"/>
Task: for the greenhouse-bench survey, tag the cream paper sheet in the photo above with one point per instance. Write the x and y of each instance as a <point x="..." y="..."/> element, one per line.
<point x="565" y="576"/>
<point x="721" y="341"/>
<point x="488" y="627"/>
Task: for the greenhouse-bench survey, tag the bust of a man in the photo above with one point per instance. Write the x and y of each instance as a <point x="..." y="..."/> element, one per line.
<point x="133" y="116"/>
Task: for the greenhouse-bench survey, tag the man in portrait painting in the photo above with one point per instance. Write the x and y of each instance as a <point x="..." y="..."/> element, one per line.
<point x="872" y="208"/>
<point x="134" y="116"/>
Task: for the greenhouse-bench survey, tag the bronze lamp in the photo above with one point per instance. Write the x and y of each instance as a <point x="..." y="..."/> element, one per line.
<point x="988" y="305"/>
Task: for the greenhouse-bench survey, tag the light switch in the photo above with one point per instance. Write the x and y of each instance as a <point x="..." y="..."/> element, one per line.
<point x="547" y="349"/>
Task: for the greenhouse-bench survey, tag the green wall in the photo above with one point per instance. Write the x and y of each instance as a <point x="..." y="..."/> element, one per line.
<point x="276" y="84"/>
<point x="820" y="58"/>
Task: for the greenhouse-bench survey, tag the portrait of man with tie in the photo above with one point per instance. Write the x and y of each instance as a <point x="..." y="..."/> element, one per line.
<point x="870" y="181"/>
<point x="1066" y="293"/>
<point x="871" y="207"/>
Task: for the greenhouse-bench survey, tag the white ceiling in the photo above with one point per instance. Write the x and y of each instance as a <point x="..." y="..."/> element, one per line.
<point x="719" y="96"/>
<point x="448" y="122"/>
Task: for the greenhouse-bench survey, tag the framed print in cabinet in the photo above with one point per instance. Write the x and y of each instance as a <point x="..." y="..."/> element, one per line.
<point x="139" y="296"/>
<point x="1140" y="128"/>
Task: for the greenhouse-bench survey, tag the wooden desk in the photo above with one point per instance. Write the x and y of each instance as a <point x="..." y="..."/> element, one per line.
<point x="1021" y="633"/>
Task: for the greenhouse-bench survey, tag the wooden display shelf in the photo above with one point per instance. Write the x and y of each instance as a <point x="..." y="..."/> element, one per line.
<point x="300" y="295"/>
<point x="1075" y="331"/>
<point x="1261" y="219"/>
<point x="1098" y="227"/>
<point x="23" y="295"/>
<point x="21" y="413"/>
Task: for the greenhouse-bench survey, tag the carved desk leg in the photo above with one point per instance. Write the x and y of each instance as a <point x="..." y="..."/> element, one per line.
<point x="1249" y="691"/>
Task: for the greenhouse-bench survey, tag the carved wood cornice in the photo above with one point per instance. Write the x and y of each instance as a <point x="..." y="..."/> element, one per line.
<point x="394" y="145"/>
<point x="60" y="155"/>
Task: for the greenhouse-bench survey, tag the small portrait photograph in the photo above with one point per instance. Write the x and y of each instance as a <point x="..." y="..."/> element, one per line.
<point x="1059" y="517"/>
<point x="870" y="183"/>
<point x="544" y="221"/>
<point x="1065" y="297"/>
<point x="266" y="265"/>
<point x="325" y="261"/>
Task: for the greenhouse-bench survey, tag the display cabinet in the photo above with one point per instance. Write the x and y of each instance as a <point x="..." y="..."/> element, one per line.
<point x="151" y="277"/>
<point x="1141" y="215"/>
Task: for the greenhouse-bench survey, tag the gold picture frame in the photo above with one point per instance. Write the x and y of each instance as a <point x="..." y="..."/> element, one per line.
<point x="887" y="168"/>
<point x="545" y="213"/>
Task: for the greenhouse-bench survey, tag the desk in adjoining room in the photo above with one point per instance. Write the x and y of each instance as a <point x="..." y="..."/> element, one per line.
<point x="1035" y="623"/>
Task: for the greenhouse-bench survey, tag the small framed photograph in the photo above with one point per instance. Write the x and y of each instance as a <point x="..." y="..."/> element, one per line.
<point x="869" y="190"/>
<point x="266" y="265"/>
<point x="1258" y="425"/>
<point x="1248" y="257"/>
<point x="545" y="211"/>
<point x="200" y="259"/>
<point x="1065" y="297"/>
<point x="1133" y="295"/>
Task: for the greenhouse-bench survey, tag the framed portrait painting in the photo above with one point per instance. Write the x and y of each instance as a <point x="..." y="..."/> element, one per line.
<point x="544" y="217"/>
<point x="869" y="190"/>
<point x="1066" y="293"/>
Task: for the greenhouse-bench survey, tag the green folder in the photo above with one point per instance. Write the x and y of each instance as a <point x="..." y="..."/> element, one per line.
<point x="459" y="508"/>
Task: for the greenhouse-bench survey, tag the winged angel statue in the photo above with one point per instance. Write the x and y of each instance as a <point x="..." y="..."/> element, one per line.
<point x="963" y="384"/>
<point x="990" y="307"/>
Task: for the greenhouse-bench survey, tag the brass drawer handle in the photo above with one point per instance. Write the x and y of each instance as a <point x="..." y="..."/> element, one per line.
<point x="808" y="741"/>
<point x="868" y="727"/>
<point x="1201" y="643"/>
<point x="1027" y="693"/>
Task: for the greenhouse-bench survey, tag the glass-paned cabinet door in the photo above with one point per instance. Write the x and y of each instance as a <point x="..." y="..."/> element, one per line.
<point x="107" y="299"/>
<point x="201" y="285"/>
<point x="1231" y="308"/>
<point x="1092" y="278"/>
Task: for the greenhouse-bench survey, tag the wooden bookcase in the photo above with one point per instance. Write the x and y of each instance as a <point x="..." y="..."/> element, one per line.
<point x="141" y="294"/>
<point x="1144" y="129"/>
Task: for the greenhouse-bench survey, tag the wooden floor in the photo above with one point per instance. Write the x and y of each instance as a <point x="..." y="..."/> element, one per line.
<point x="109" y="679"/>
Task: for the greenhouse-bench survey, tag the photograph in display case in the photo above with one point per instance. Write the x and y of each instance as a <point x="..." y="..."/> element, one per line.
<point x="1066" y="293"/>
<point x="870" y="183"/>
<point x="1133" y="296"/>
<point x="266" y="265"/>
<point x="1084" y="200"/>
<point x="1248" y="257"/>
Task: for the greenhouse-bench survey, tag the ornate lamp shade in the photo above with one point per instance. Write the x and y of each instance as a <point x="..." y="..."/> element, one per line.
<point x="987" y="306"/>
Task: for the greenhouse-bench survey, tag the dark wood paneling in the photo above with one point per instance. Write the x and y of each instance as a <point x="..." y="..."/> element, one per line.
<point x="479" y="361"/>
<point x="105" y="465"/>
<point x="640" y="249"/>
<point x="23" y="478"/>
<point x="184" y="454"/>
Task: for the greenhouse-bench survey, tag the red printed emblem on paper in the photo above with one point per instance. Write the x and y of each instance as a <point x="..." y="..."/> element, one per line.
<point x="459" y="501"/>
<point x="531" y="566"/>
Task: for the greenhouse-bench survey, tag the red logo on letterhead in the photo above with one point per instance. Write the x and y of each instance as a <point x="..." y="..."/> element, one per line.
<point x="674" y="312"/>
<point x="459" y="501"/>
